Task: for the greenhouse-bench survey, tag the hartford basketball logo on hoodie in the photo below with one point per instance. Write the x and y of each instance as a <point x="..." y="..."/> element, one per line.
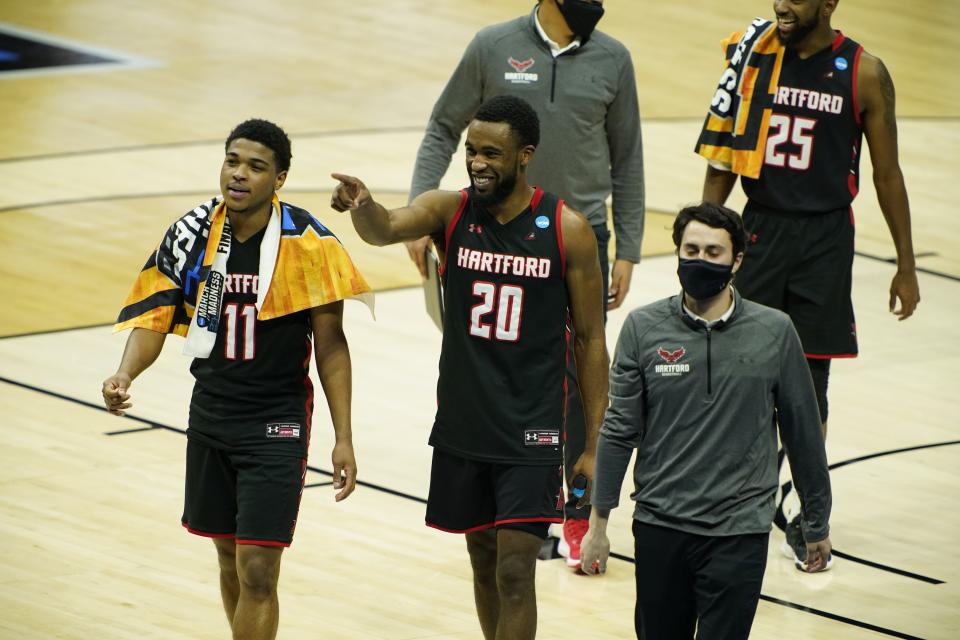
<point x="670" y="358"/>
<point x="519" y="75"/>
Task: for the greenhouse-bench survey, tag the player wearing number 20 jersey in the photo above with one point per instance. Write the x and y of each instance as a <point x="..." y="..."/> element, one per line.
<point x="501" y="386"/>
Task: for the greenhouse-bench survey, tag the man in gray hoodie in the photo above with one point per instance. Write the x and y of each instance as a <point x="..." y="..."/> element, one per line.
<point x="581" y="83"/>
<point x="699" y="384"/>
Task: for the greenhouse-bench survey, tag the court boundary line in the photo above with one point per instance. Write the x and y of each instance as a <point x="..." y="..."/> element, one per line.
<point x="786" y="603"/>
<point x="787" y="486"/>
<point x="346" y="132"/>
<point x="392" y="192"/>
<point x="813" y="610"/>
<point x="207" y="194"/>
<point x="114" y="60"/>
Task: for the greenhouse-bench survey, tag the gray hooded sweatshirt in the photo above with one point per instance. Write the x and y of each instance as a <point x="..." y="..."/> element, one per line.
<point x="586" y="100"/>
<point x="701" y="406"/>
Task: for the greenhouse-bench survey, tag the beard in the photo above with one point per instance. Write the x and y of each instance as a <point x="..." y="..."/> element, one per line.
<point x="800" y="31"/>
<point x="500" y="192"/>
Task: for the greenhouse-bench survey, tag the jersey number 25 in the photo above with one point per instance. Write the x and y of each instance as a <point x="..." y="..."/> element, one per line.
<point x="797" y="130"/>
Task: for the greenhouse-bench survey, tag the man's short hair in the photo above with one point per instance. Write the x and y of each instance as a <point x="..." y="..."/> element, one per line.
<point x="517" y="113"/>
<point x="269" y="135"/>
<point x="712" y="215"/>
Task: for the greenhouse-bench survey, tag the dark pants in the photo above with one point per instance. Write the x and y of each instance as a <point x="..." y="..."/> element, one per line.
<point x="687" y="582"/>
<point x="576" y="427"/>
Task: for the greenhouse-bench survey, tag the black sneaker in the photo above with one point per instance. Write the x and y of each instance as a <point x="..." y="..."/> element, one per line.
<point x="795" y="547"/>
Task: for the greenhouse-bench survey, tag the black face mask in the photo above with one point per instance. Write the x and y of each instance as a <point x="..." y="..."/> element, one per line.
<point x="581" y="16"/>
<point x="702" y="280"/>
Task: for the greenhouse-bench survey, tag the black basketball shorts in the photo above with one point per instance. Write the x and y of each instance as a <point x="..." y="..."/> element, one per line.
<point x="803" y="265"/>
<point x="469" y="495"/>
<point x="251" y="497"/>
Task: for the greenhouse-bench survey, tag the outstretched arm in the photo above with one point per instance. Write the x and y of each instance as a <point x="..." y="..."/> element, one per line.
<point x="585" y="287"/>
<point x="143" y="348"/>
<point x="878" y="102"/>
<point x="377" y="225"/>
<point x="336" y="378"/>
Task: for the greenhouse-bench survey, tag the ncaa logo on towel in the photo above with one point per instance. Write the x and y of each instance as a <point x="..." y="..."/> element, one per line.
<point x="542" y="221"/>
<point x="840" y="64"/>
<point x="283" y="430"/>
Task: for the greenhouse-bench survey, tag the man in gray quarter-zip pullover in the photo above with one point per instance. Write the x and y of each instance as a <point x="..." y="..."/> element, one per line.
<point x="581" y="83"/>
<point x="698" y="385"/>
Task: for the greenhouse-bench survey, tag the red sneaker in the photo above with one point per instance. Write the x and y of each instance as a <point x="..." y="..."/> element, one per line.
<point x="569" y="546"/>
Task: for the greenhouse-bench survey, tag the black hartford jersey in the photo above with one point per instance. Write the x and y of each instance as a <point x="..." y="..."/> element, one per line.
<point x="812" y="159"/>
<point x="501" y="390"/>
<point x="254" y="391"/>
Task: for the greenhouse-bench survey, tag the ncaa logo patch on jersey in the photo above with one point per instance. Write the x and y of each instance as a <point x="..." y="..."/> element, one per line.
<point x="542" y="221"/>
<point x="841" y="64"/>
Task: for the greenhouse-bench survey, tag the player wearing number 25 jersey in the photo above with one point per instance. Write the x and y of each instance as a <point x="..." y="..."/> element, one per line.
<point x="505" y="312"/>
<point x="818" y="93"/>
<point x="812" y="163"/>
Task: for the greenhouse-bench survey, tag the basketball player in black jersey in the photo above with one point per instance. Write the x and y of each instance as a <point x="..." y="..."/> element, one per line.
<point x="516" y="264"/>
<point x="252" y="401"/>
<point x="798" y="213"/>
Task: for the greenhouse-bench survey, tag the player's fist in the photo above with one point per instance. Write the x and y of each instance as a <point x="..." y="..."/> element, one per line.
<point x="115" y="396"/>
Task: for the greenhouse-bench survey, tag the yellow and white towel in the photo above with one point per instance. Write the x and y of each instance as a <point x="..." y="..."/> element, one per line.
<point x="734" y="134"/>
<point x="302" y="265"/>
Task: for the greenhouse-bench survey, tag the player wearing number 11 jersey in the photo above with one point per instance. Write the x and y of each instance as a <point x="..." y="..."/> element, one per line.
<point x="254" y="285"/>
<point x="517" y="266"/>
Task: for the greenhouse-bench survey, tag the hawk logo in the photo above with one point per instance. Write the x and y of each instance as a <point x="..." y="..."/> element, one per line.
<point x="520" y="66"/>
<point x="520" y="74"/>
<point x="671" y="356"/>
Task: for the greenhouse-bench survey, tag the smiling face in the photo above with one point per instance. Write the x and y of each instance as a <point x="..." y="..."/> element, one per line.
<point x="249" y="177"/>
<point x="494" y="163"/>
<point x="796" y="19"/>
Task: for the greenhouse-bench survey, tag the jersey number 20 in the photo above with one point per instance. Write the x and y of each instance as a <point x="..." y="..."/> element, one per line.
<point x="506" y="305"/>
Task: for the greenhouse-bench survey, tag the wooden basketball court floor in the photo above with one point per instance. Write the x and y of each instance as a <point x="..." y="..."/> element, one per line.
<point x="95" y="162"/>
